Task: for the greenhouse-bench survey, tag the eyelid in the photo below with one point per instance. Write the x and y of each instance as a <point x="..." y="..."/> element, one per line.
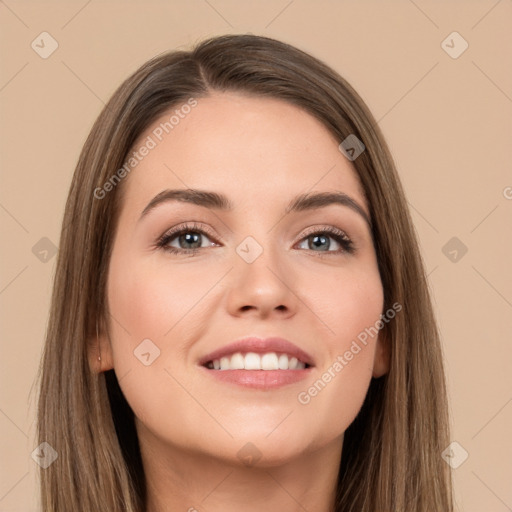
<point x="324" y="228"/>
<point x="190" y="226"/>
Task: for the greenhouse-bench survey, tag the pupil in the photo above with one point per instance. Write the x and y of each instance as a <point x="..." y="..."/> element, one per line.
<point x="193" y="239"/>
<point x="324" y="240"/>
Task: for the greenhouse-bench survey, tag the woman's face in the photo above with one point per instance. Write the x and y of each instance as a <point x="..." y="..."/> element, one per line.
<point x="308" y="275"/>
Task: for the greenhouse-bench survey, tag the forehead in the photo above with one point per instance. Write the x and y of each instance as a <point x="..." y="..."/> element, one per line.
<point x="255" y="150"/>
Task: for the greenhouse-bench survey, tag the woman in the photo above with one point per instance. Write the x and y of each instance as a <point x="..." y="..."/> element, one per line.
<point x="240" y="316"/>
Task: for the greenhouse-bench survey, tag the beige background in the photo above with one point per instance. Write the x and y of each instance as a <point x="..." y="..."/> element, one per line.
<point x="448" y="122"/>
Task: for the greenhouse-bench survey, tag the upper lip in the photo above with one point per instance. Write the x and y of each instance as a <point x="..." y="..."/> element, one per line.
<point x="259" y="346"/>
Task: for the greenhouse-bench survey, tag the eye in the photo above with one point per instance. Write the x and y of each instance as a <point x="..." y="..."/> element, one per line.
<point x="189" y="239"/>
<point x="321" y="241"/>
<point x="185" y="239"/>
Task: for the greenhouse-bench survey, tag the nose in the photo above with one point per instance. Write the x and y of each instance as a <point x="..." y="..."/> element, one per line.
<point x="262" y="288"/>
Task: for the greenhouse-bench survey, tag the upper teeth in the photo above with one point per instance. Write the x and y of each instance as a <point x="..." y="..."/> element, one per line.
<point x="253" y="361"/>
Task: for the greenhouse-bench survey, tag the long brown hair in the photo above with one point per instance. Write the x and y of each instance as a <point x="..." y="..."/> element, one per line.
<point x="392" y="451"/>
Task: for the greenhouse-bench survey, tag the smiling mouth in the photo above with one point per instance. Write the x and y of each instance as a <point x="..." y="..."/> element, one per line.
<point x="254" y="361"/>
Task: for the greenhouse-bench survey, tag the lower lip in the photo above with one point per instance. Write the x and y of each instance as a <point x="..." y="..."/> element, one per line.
<point x="260" y="379"/>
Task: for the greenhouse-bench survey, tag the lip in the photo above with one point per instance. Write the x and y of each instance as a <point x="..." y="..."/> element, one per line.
<point x="258" y="379"/>
<point x="259" y="346"/>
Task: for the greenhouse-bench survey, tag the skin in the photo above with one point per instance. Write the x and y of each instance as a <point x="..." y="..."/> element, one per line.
<point x="260" y="153"/>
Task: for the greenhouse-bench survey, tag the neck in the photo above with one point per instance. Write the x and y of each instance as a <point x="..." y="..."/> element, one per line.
<point x="184" y="481"/>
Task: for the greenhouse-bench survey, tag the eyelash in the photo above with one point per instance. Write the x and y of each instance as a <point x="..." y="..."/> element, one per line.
<point x="337" y="234"/>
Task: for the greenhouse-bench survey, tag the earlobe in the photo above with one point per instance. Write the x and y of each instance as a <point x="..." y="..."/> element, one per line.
<point x="381" y="361"/>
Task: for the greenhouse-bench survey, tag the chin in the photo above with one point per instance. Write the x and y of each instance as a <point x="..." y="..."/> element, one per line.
<point x="263" y="450"/>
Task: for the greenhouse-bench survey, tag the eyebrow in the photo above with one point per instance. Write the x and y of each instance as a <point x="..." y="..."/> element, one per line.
<point x="216" y="201"/>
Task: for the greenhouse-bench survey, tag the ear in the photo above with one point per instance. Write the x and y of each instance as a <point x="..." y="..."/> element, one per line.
<point x="381" y="360"/>
<point x="100" y="349"/>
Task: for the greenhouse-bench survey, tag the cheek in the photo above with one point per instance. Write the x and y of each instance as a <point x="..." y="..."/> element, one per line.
<point x="147" y="303"/>
<point x="150" y="301"/>
<point x="350" y="308"/>
<point x="346" y="305"/>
